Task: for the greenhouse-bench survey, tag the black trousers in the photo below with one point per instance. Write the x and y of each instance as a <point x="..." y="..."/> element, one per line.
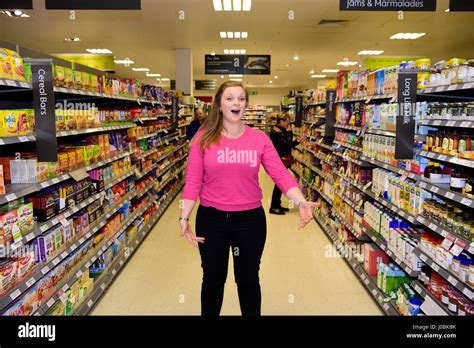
<point x="242" y="232"/>
<point x="276" y="198"/>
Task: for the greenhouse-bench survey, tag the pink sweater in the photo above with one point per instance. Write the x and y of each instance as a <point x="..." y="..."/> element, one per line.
<point x="225" y="176"/>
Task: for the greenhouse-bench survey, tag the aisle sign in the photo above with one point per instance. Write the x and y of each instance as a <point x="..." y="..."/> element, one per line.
<point x="174" y="112"/>
<point x="461" y="5"/>
<point x="43" y="101"/>
<point x="16" y="4"/>
<point x="330" y="113"/>
<point x="405" y="133"/>
<point x="93" y="5"/>
<point x="387" y="5"/>
<point x="298" y="110"/>
<point x="237" y="64"/>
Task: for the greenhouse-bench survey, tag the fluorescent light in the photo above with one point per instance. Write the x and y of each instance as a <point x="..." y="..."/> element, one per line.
<point x="140" y="69"/>
<point x="217" y="5"/>
<point x="222" y="76"/>
<point x="238" y="80"/>
<point x="72" y="39"/>
<point x="370" y="52"/>
<point x="125" y="61"/>
<point x="153" y="75"/>
<point x="213" y="53"/>
<point x="236" y="75"/>
<point x="231" y="51"/>
<point x="223" y="34"/>
<point x="233" y="35"/>
<point x="244" y="35"/>
<point x="318" y="76"/>
<point x="243" y="51"/>
<point x="165" y="79"/>
<point x="343" y="63"/>
<point x="237" y="34"/>
<point x="99" y="51"/>
<point x="230" y="35"/>
<point x="227" y="5"/>
<point x="330" y="70"/>
<point x="158" y="79"/>
<point x="237" y="5"/>
<point x="226" y="51"/>
<point x="247" y="5"/>
<point x="407" y="36"/>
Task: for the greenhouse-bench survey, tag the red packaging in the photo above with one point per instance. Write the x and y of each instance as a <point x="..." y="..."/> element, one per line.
<point x="373" y="255"/>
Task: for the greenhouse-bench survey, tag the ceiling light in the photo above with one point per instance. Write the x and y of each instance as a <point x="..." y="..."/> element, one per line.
<point x="288" y="65"/>
<point x="247" y="5"/>
<point x="237" y="5"/>
<point x="407" y="36"/>
<point x="230" y="35"/>
<point x="226" y="51"/>
<point x="165" y="79"/>
<point x="243" y="51"/>
<point x="222" y="76"/>
<point x="125" y="61"/>
<point x="296" y="57"/>
<point x="311" y="72"/>
<point x="223" y="34"/>
<point x="16" y="13"/>
<point x="244" y="35"/>
<point x="447" y="10"/>
<point x="140" y="69"/>
<point x="227" y="5"/>
<point x="237" y="80"/>
<point x="232" y="51"/>
<point x="153" y="75"/>
<point x="344" y="63"/>
<point x="275" y="77"/>
<point x="271" y="81"/>
<point x="158" y="79"/>
<point x="370" y="52"/>
<point x="72" y="39"/>
<point x="217" y="5"/>
<point x="236" y="75"/>
<point x="330" y="70"/>
<point x="233" y="35"/>
<point x="99" y="51"/>
<point x="237" y="34"/>
<point x="213" y="53"/>
<point x="318" y="76"/>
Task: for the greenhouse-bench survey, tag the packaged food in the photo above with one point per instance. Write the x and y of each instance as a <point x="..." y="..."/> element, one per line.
<point x="5" y="64"/>
<point x="68" y="78"/>
<point x="60" y="120"/>
<point x="10" y="123"/>
<point x="94" y="83"/>
<point x="85" y="81"/>
<point x="18" y="73"/>
<point x="9" y="230"/>
<point x="58" y="76"/>
<point x="8" y="275"/>
<point x="2" y="183"/>
<point x="26" y="265"/>
<point x="77" y="79"/>
<point x="26" y="219"/>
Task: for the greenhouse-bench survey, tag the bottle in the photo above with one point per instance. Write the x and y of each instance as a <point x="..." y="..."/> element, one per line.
<point x="458" y="181"/>
<point x="436" y="172"/>
<point x="464" y="143"/>
<point x="468" y="187"/>
<point x="453" y="144"/>
<point x="445" y="143"/>
<point x="428" y="170"/>
<point x="437" y="141"/>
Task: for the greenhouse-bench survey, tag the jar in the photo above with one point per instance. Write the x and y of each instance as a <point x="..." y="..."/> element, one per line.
<point x="444" y="211"/>
<point x="458" y="225"/>
<point x="466" y="225"/>
<point x="453" y="301"/>
<point x="464" y="269"/>
<point x="443" y="110"/>
<point x="456" y="265"/>
<point x="463" y="305"/>
<point x="450" y="220"/>
<point x="458" y="180"/>
<point x="444" y="293"/>
<point x="470" y="109"/>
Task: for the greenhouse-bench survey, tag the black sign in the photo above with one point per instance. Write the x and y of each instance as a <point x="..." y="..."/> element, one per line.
<point x="405" y="134"/>
<point x="93" y="5"/>
<point x="45" y="119"/>
<point x="174" y="112"/>
<point x="329" y="131"/>
<point x="209" y="85"/>
<point x="16" y="4"/>
<point x="237" y="64"/>
<point x="387" y="5"/>
<point x="298" y="110"/>
<point x="461" y="5"/>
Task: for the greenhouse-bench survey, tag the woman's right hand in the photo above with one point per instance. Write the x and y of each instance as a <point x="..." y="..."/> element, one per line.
<point x="188" y="233"/>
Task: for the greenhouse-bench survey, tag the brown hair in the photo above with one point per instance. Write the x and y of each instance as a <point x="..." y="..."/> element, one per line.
<point x="195" y="113"/>
<point x="283" y="117"/>
<point x="212" y="124"/>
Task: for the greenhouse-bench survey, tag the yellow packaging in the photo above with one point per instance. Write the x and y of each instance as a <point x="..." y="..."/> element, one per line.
<point x="91" y="120"/>
<point x="68" y="78"/>
<point x="72" y="159"/>
<point x="423" y="64"/>
<point x="85" y="81"/>
<point x="42" y="169"/>
<point x="53" y="169"/>
<point x="81" y="119"/>
<point x="30" y="118"/>
<point x="2" y="123"/>
<point x="18" y="72"/>
<point x="23" y="124"/>
<point x="5" y="64"/>
<point x="59" y="79"/>
<point x="77" y="79"/>
<point x="70" y="119"/>
<point x="60" y="120"/>
<point x="423" y="80"/>
<point x="79" y="157"/>
<point x="10" y="119"/>
<point x="94" y="83"/>
<point x="97" y="152"/>
<point x="2" y="181"/>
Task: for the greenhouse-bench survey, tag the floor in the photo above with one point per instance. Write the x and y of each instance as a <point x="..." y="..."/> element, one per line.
<point x="297" y="276"/>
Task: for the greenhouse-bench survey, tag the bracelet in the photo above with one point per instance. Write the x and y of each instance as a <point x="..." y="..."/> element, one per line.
<point x="185" y="219"/>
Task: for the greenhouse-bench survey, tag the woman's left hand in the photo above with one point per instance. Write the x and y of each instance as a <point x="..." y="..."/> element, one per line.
<point x="306" y="213"/>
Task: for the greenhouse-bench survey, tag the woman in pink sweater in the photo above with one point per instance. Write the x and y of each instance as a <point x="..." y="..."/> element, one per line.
<point x="223" y="166"/>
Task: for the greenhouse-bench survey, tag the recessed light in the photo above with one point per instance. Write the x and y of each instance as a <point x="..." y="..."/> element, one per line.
<point x="370" y="52"/>
<point x="72" y="39"/>
<point x="230" y="35"/>
<point x="244" y="35"/>
<point x="311" y="72"/>
<point x="153" y="75"/>
<point x="140" y="69"/>
<point x="271" y="81"/>
<point x="125" y="61"/>
<point x="247" y="5"/>
<point x="447" y="10"/>
<point x="318" y="76"/>
<point x="227" y="5"/>
<point x="236" y="75"/>
<point x="165" y="79"/>
<point x="158" y="79"/>
<point x="213" y="53"/>
<point x="217" y="5"/>
<point x="232" y="5"/>
<point x="296" y="57"/>
<point x="237" y="80"/>
<point x="222" y="76"/>
<point x="233" y="34"/>
<point x="223" y="34"/>
<point x="407" y="36"/>
<point x="99" y="51"/>
<point x="347" y="63"/>
<point x="330" y="70"/>
<point x="275" y="77"/>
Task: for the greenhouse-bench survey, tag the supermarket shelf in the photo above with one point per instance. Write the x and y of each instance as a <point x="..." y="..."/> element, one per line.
<point x="367" y="98"/>
<point x="16" y="140"/>
<point x="437" y="307"/>
<point x="102" y="95"/>
<point x="349" y="146"/>
<point x="39" y="272"/>
<point x="349" y="226"/>
<point x="322" y="194"/>
<point x="139" y="175"/>
<point x="381" y="132"/>
<point x="354" y="206"/>
<point x="326" y="146"/>
<point x="391" y="206"/>
<point x="323" y="157"/>
<point x="459" y="123"/>
<point x="111" y="274"/>
<point x="316" y="104"/>
<point x="444" y="191"/>
<point x="353" y="128"/>
<point x="469" y="246"/>
<point x="322" y="174"/>
<point x="15" y="191"/>
<point x="370" y="283"/>
<point x="184" y="125"/>
<point x="391" y="168"/>
<point x="147" y="153"/>
<point x="447" y="88"/>
<point x="447" y="158"/>
<point x="446" y="274"/>
<point x="84" y="266"/>
<point x="408" y="270"/>
<point x="15" y="84"/>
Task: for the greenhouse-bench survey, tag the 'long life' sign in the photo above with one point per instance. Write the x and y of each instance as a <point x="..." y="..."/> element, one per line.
<point x="387" y="5"/>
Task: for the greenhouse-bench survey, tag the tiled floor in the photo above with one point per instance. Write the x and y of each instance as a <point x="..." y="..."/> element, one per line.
<point x="164" y="275"/>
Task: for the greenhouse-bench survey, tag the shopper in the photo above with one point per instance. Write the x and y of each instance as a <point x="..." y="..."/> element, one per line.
<point x="282" y="138"/>
<point x="223" y="165"/>
<point x="196" y="123"/>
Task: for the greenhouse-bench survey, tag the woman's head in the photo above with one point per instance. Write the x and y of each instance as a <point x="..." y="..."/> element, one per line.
<point x="283" y="120"/>
<point x="199" y="115"/>
<point x="228" y="107"/>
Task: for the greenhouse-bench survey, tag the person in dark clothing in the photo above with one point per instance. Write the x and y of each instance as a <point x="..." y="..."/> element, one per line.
<point x="195" y="123"/>
<point x="282" y="139"/>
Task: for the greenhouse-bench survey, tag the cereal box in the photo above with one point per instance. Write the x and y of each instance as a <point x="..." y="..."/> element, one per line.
<point x="59" y="78"/>
<point x="94" y="83"/>
<point x="8" y="275"/>
<point x="5" y="64"/>
<point x="2" y="183"/>
<point x="26" y="265"/>
<point x="23" y="124"/>
<point x="68" y="78"/>
<point x="26" y="219"/>
<point x="10" y="123"/>
<point x="63" y="162"/>
<point x="17" y="66"/>
<point x="30" y="118"/>
<point x="9" y="227"/>
<point x="85" y="81"/>
<point x="77" y="79"/>
<point x="60" y="120"/>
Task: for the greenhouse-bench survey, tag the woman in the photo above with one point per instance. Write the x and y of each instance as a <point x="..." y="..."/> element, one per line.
<point x="195" y="124"/>
<point x="222" y="170"/>
<point x="282" y="138"/>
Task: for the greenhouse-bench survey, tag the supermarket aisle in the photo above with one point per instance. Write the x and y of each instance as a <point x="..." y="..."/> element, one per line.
<point x="164" y="275"/>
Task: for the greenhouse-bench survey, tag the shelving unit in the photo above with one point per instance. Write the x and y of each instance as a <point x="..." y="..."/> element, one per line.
<point x="436" y="307"/>
<point x="256" y="117"/>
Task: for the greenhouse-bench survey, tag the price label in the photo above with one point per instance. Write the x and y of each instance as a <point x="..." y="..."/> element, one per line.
<point x="435" y="189"/>
<point x="103" y="286"/>
<point x="457" y="248"/>
<point x="64" y="254"/>
<point x="11" y="83"/>
<point x="451" y="123"/>
<point x="465" y="124"/>
<point x="380" y="298"/>
<point x="423" y="257"/>
<point x="403" y="178"/>
<point x="442" y="157"/>
<point x="114" y="271"/>
<point x="78" y="274"/>
<point x="449" y="195"/>
<point x="45" y="270"/>
<point x="374" y="292"/>
<point x="452" y="87"/>
<point x="435" y="267"/>
<point x="452" y="280"/>
<point x="50" y="302"/>
<point x="55" y="261"/>
<point x="468" y="293"/>
<point x="433" y="226"/>
<point x="90" y="303"/>
<point x="30" y="282"/>
<point x="448" y="242"/>
<point x="15" y="294"/>
<point x="466" y="201"/>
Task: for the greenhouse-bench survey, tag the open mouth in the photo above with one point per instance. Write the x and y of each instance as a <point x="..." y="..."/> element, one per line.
<point x="236" y="112"/>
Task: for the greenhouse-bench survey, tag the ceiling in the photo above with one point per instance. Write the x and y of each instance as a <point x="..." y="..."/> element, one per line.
<point x="150" y="36"/>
